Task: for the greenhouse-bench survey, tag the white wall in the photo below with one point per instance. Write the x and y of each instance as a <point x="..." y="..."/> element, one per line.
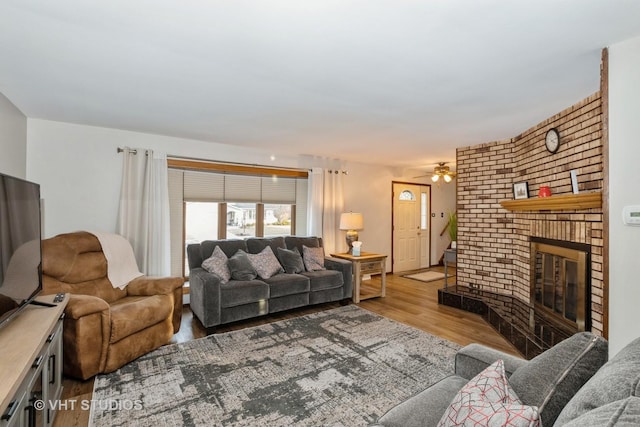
<point x="13" y="139"/>
<point x="624" y="175"/>
<point x="368" y="189"/>
<point x="443" y="202"/>
<point x="79" y="170"/>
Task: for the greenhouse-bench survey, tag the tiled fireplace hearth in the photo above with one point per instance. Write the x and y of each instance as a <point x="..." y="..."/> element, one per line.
<point x="534" y="298"/>
<point x="560" y="295"/>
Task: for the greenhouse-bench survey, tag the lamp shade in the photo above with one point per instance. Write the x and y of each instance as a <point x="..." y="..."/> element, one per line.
<point x="351" y="221"/>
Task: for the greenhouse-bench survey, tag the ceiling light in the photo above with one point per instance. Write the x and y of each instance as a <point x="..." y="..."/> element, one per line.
<point x="442" y="171"/>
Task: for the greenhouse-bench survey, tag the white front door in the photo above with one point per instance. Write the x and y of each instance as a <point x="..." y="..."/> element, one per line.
<point x="411" y="235"/>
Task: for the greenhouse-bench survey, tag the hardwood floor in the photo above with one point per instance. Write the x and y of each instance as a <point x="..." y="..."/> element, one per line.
<point x="408" y="301"/>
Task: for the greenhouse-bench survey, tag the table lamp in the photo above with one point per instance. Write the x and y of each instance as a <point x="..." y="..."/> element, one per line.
<point x="351" y="221"/>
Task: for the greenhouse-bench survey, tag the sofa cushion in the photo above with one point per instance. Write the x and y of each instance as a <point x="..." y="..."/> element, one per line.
<point x="240" y="267"/>
<point x="313" y="258"/>
<point x="618" y="379"/>
<point x="291" y="260"/>
<point x="240" y="292"/>
<point x="298" y="242"/>
<point x="621" y="413"/>
<point x="265" y="263"/>
<point x="255" y="245"/>
<point x="229" y="247"/>
<point x="426" y="407"/>
<point x="552" y="378"/>
<point x="487" y="399"/>
<point x="217" y="264"/>
<point x="133" y="314"/>
<point x="287" y="284"/>
<point x="324" y="279"/>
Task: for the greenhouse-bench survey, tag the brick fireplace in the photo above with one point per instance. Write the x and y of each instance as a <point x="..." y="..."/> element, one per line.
<point x="494" y="255"/>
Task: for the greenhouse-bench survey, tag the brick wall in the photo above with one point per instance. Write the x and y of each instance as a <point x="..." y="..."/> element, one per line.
<point x="493" y="243"/>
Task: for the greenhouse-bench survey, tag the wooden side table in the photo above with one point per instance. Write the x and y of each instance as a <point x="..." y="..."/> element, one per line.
<point x="366" y="263"/>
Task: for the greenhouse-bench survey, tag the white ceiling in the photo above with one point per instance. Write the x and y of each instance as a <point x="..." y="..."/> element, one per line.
<point x="404" y="81"/>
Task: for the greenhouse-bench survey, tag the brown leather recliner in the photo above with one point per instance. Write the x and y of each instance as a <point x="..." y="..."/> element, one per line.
<point x="106" y="327"/>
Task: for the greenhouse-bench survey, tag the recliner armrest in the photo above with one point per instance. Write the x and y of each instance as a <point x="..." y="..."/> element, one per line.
<point x="147" y="286"/>
<point x="87" y="327"/>
<point x="84" y="305"/>
<point x="474" y="358"/>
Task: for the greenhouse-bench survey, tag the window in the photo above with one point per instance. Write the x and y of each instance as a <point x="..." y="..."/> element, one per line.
<point x="241" y="220"/>
<point x="424" y="211"/>
<point x="200" y="223"/>
<point x="406" y="195"/>
<point x="213" y="204"/>
<point x="277" y="220"/>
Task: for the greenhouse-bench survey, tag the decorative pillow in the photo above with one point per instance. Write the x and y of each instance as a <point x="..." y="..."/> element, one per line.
<point x="217" y="264"/>
<point x="240" y="266"/>
<point x="265" y="263"/>
<point x="291" y="260"/>
<point x="313" y="258"/>
<point x="487" y="400"/>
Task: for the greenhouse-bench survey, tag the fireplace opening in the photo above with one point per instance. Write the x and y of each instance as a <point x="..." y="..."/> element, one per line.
<point x="560" y="284"/>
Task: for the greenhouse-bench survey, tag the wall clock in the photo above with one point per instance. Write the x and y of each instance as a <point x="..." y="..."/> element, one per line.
<point x="552" y="140"/>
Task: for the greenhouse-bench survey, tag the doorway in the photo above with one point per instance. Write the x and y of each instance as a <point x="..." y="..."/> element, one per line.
<point x="411" y="226"/>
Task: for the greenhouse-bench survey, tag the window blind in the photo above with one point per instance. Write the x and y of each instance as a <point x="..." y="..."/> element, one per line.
<point x="279" y="190"/>
<point x="203" y="186"/>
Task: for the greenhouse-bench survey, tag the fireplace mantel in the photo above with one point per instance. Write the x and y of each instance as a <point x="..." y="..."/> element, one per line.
<point x="556" y="203"/>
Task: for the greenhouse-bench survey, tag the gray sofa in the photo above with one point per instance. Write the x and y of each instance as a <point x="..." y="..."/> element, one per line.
<point x="570" y="384"/>
<point x="215" y="302"/>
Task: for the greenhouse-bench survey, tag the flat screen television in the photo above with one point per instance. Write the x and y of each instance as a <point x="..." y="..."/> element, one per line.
<point x="20" y="245"/>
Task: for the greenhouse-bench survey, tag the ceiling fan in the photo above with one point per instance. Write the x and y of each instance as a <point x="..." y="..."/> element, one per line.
<point x="441" y="171"/>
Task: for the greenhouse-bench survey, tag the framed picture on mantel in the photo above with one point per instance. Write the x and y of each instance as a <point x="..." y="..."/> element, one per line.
<point x="521" y="190"/>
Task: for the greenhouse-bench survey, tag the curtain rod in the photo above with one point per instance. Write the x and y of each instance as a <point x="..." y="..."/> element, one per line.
<point x="171" y="156"/>
<point x="197" y="159"/>
<point x="221" y="162"/>
<point x="132" y="151"/>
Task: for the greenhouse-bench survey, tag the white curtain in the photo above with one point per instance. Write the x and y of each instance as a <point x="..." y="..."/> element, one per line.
<point x="326" y="202"/>
<point x="143" y="214"/>
<point x="315" y="197"/>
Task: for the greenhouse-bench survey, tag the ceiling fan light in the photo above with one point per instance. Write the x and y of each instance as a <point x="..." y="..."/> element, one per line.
<point x="447" y="178"/>
<point x="435" y="178"/>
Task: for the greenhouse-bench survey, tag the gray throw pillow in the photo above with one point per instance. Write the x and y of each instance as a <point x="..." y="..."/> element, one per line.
<point x="313" y="258"/>
<point x="240" y="267"/>
<point x="552" y="378"/>
<point x="618" y="379"/>
<point x="291" y="260"/>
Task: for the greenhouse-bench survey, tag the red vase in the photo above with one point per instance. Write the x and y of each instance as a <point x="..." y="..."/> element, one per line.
<point x="545" y="191"/>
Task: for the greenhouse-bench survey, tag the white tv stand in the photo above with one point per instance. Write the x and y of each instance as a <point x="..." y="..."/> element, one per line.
<point x="31" y="365"/>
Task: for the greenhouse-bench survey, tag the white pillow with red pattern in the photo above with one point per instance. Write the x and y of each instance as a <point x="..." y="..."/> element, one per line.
<point x="488" y="400"/>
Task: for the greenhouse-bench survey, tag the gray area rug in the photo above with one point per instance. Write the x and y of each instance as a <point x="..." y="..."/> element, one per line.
<point x="340" y="367"/>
